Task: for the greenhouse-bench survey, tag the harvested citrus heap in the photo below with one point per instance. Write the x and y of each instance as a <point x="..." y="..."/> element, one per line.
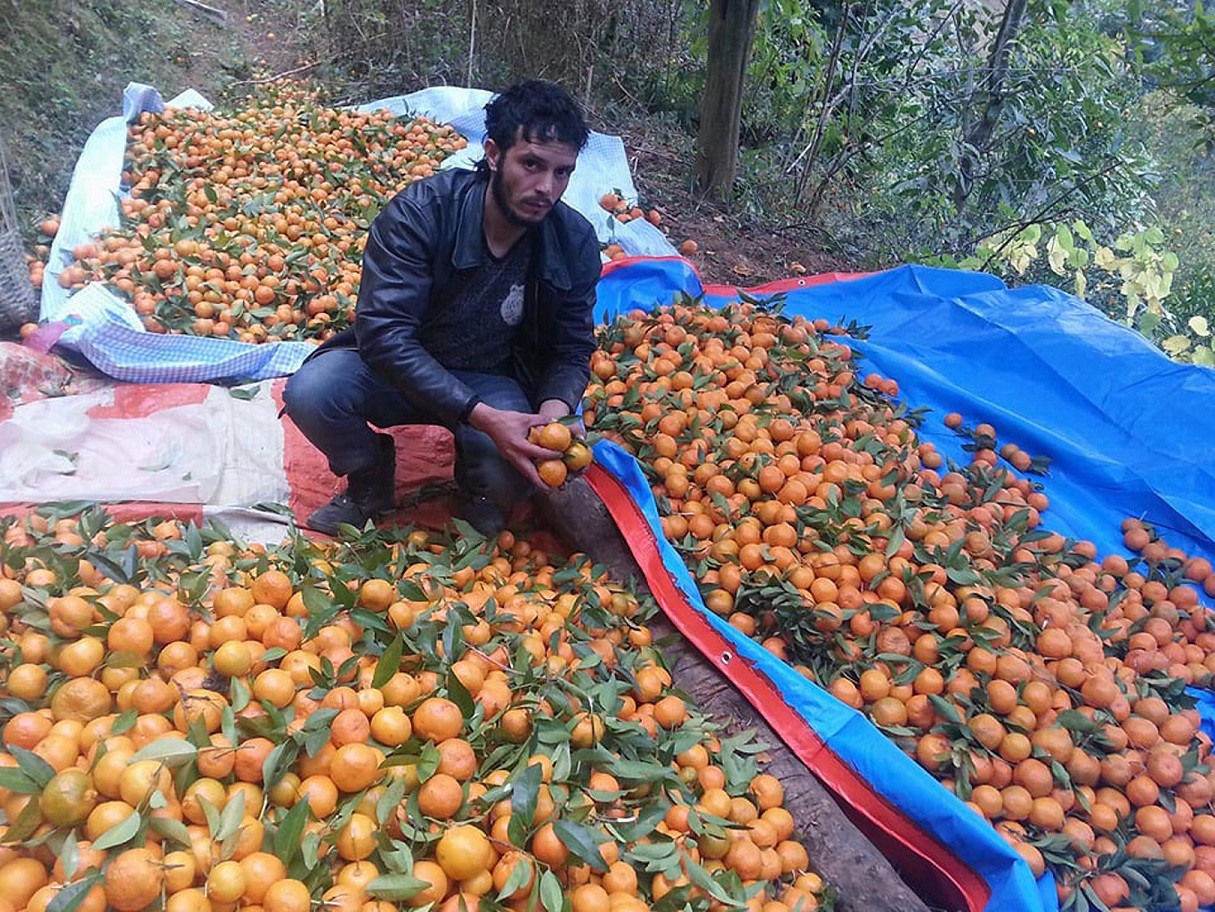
<point x="251" y="225"/>
<point x="1044" y="687"/>
<point x="403" y="720"/>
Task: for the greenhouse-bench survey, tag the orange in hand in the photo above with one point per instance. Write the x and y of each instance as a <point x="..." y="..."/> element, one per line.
<point x="553" y="436"/>
<point x="552" y="472"/>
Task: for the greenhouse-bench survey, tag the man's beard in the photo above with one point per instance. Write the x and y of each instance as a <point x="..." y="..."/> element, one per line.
<point x="499" y="192"/>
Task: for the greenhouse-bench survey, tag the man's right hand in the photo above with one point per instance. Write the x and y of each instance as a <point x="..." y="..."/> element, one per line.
<point x="508" y="430"/>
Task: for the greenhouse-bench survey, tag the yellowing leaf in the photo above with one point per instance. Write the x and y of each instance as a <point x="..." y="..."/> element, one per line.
<point x="1175" y="344"/>
<point x="1056" y="256"/>
<point x="1200" y="325"/>
<point x="1104" y="258"/>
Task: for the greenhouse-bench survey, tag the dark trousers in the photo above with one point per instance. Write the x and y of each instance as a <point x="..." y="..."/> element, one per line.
<point x="334" y="396"/>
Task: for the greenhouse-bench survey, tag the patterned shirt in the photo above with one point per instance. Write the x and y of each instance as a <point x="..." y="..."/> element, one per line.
<point x="476" y="329"/>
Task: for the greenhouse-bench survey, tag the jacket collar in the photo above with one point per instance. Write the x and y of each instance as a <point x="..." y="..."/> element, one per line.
<point x="471" y="251"/>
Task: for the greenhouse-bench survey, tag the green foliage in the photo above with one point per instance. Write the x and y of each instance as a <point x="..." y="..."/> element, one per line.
<point x="867" y="126"/>
<point x="1129" y="278"/>
<point x="1185" y="197"/>
<point x="1175" y="48"/>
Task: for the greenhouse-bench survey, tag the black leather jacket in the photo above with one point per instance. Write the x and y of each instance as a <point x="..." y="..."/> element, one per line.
<point x="433" y="228"/>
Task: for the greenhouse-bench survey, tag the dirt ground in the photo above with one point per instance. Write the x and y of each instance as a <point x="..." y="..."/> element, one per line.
<point x="733" y="249"/>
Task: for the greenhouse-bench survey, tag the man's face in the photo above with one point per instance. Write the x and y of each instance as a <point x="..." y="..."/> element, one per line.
<point x="529" y="177"/>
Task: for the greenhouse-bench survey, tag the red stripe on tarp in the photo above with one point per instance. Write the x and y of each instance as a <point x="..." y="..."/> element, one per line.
<point x="124" y="511"/>
<point x="921" y="856"/>
<point x="139" y="400"/>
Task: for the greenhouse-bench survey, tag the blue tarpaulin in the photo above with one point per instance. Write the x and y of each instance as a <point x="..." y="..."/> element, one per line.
<point x="1129" y="433"/>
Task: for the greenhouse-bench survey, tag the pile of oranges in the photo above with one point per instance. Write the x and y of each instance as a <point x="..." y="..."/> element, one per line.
<point x="619" y="207"/>
<point x="408" y="720"/>
<point x="251" y="225"/>
<point x="1042" y="684"/>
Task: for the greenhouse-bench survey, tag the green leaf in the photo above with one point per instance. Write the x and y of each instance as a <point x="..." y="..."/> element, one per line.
<point x="171" y="829"/>
<point x="1174" y="345"/>
<point x="945" y="708"/>
<point x="16" y="781"/>
<point x="389" y="800"/>
<point x="389" y="663"/>
<point x="701" y="878"/>
<point x="520" y="874"/>
<point x="231" y="816"/>
<point x="32" y="765"/>
<point x="523" y="795"/>
<point x="287" y="839"/>
<point x="1064" y="238"/>
<point x="1077" y="722"/>
<point x="25" y="824"/>
<point x="458" y="694"/>
<point x="582" y="842"/>
<point x="172" y="752"/>
<point x="278" y="761"/>
<point x="552" y="897"/>
<point x="70" y="898"/>
<point x="121" y="832"/>
<point x="396" y="887"/>
<point x="124" y="721"/>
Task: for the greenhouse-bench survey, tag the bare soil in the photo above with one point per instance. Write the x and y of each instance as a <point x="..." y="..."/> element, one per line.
<point x="734" y="248"/>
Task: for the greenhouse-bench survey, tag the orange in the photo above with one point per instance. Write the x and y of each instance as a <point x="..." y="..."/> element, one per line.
<point x="357" y="839"/>
<point x="377" y="594"/>
<point x="321" y="795"/>
<point x="391" y="726"/>
<point x="552" y="436"/>
<point x="226" y="882"/>
<point x="505" y="868"/>
<point x="133" y="880"/>
<point x="349" y="726"/>
<point x="552" y="472"/>
<point x="432" y="874"/>
<point x="20" y="879"/>
<point x="287" y="896"/>
<point x="440" y="796"/>
<point x="437" y="719"/>
<point x="82" y="699"/>
<point x="548" y="847"/>
<point x="578" y="456"/>
<point x="140" y="779"/>
<point x="272" y="588"/>
<point x="355" y="767"/>
<point x="68" y="799"/>
<point x="463" y="852"/>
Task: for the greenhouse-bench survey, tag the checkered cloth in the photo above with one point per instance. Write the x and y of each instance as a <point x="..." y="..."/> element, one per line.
<point x="105" y="330"/>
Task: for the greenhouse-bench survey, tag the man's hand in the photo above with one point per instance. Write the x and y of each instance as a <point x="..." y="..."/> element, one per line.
<point x="555" y="410"/>
<point x="508" y="430"/>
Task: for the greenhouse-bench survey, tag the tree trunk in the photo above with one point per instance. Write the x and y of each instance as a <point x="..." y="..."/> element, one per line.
<point x="731" y="28"/>
<point x="977" y="136"/>
<point x="844" y="857"/>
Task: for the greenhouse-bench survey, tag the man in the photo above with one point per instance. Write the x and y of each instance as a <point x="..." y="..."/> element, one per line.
<point x="474" y="312"/>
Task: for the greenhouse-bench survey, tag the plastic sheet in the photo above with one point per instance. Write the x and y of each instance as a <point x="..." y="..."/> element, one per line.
<point x="1129" y="433"/>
